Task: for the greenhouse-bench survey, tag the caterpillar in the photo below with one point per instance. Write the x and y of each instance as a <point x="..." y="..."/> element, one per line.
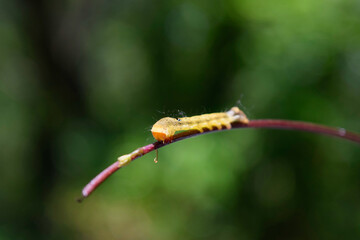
<point x="165" y="128"/>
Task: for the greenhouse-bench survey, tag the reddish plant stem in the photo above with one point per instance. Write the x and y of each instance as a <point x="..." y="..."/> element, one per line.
<point x="261" y="123"/>
<point x="305" y="126"/>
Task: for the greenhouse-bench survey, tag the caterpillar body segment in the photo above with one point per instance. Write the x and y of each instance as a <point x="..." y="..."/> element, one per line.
<point x="165" y="128"/>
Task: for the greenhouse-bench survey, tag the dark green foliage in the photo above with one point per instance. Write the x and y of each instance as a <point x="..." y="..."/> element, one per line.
<point x="82" y="82"/>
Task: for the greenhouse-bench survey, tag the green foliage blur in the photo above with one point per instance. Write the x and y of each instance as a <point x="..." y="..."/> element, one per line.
<point x="82" y="82"/>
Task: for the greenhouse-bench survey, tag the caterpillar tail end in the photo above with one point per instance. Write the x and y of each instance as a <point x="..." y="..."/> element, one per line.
<point x="238" y="115"/>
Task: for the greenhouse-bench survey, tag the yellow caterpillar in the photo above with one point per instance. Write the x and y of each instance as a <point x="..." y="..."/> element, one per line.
<point x="165" y="128"/>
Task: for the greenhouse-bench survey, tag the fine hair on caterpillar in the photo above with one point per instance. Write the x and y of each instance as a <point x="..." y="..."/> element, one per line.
<point x="165" y="128"/>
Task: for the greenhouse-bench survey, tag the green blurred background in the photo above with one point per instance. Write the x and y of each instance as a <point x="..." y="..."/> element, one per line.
<point x="82" y="82"/>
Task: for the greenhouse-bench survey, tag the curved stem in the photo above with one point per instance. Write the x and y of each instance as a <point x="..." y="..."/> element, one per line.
<point x="261" y="123"/>
<point x="305" y="126"/>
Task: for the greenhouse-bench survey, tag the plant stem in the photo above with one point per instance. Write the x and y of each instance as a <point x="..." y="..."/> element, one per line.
<point x="261" y="123"/>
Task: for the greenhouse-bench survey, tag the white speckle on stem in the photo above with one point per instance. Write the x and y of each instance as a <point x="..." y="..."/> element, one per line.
<point x="342" y="131"/>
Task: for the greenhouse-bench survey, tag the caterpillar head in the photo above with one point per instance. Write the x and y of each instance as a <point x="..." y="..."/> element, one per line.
<point x="163" y="129"/>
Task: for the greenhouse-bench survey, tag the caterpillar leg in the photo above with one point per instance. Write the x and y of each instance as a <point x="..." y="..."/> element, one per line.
<point x="214" y="124"/>
<point x="200" y="129"/>
<point x="168" y="140"/>
<point x="219" y="126"/>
